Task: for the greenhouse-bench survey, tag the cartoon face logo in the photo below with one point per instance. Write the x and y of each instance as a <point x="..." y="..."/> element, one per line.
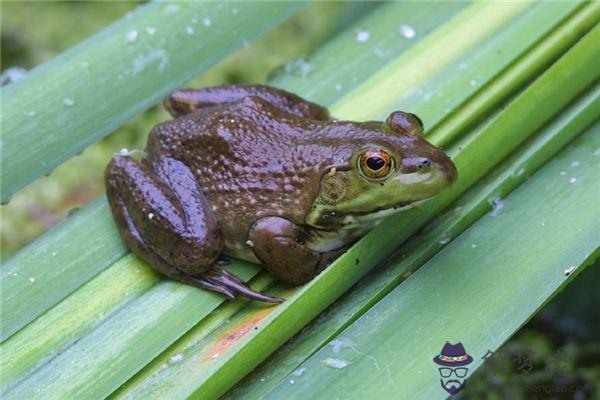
<point x="452" y="360"/>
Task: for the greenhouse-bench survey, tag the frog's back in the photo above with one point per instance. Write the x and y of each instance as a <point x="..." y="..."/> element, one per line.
<point x="250" y="159"/>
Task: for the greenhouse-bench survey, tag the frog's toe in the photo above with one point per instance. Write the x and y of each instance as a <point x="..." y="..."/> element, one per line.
<point x="225" y="279"/>
<point x="209" y="285"/>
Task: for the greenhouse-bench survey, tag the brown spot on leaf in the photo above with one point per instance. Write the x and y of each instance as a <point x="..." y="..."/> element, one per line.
<point x="237" y="332"/>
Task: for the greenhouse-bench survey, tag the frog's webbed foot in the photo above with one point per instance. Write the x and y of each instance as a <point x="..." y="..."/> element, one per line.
<point x="280" y="245"/>
<point x="189" y="100"/>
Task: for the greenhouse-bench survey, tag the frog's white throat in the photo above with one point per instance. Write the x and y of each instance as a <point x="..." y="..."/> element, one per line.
<point x="353" y="228"/>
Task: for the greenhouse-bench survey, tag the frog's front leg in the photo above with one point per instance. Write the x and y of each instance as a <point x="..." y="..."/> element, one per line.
<point x="188" y="100"/>
<point x="165" y="219"/>
<point x="280" y="245"/>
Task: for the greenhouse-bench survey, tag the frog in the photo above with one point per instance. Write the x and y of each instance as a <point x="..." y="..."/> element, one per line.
<point x="260" y="174"/>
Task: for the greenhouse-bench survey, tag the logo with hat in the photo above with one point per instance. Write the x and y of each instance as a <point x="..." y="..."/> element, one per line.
<point x="452" y="360"/>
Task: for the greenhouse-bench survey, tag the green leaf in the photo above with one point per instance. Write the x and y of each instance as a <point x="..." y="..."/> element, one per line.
<point x="344" y="63"/>
<point x="44" y="272"/>
<point x="127" y="340"/>
<point x="448" y="43"/>
<point x="80" y="96"/>
<point x="73" y="318"/>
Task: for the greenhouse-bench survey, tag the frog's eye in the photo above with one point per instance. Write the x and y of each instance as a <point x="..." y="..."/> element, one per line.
<point x="375" y="163"/>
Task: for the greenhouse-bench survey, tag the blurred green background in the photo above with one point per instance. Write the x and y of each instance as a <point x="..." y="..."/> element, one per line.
<point x="558" y="348"/>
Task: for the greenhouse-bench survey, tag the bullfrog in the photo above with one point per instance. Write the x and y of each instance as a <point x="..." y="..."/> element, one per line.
<point x="260" y="174"/>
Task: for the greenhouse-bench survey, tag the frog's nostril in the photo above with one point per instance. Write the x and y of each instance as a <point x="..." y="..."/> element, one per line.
<point x="424" y="163"/>
<point x="414" y="164"/>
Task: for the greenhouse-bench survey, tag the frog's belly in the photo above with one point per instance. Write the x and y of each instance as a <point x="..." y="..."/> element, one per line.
<point x="239" y="250"/>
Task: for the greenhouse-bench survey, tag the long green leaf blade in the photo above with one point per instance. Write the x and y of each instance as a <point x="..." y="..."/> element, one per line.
<point x="131" y="338"/>
<point x="42" y="273"/>
<point x="73" y="318"/>
<point x="331" y="79"/>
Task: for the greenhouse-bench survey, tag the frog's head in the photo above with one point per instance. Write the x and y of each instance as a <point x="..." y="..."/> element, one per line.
<point x="380" y="169"/>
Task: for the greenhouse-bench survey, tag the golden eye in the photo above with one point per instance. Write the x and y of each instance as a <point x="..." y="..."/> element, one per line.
<point x="375" y="164"/>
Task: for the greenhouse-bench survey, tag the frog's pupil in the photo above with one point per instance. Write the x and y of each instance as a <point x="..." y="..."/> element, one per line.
<point x="375" y="163"/>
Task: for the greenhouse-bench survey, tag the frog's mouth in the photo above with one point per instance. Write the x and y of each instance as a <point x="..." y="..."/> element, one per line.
<point x="336" y="220"/>
<point x="359" y="219"/>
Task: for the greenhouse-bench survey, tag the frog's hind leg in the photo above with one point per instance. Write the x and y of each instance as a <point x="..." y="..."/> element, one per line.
<point x="170" y="229"/>
<point x="135" y="243"/>
<point x="188" y="100"/>
<point x="168" y="210"/>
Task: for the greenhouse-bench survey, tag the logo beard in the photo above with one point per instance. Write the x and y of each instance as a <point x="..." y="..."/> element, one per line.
<point x="452" y="386"/>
